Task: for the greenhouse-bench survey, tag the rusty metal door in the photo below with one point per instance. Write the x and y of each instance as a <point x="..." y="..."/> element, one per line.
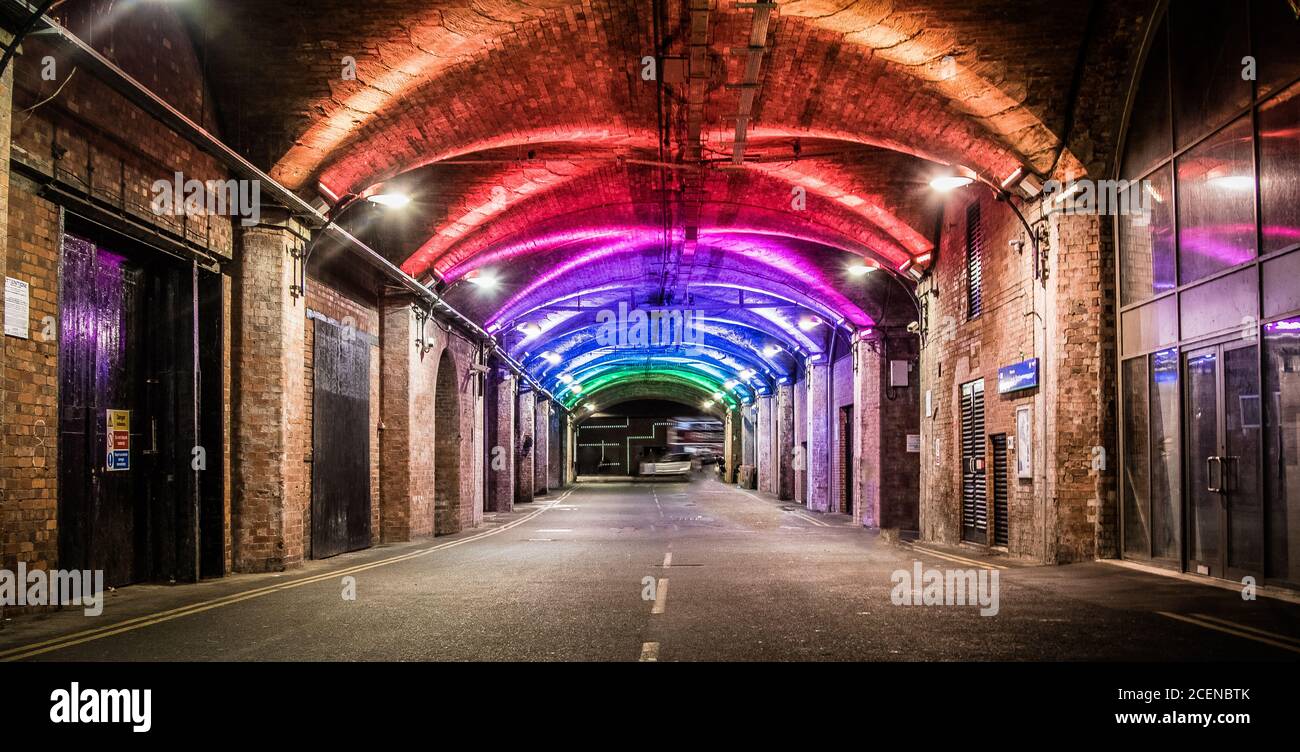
<point x="340" y="476"/>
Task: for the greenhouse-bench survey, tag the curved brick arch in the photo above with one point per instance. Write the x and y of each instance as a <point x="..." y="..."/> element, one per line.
<point x="671" y="391"/>
<point x="816" y="198"/>
<point x="447" y="453"/>
<point x="965" y="69"/>
<point x="612" y="106"/>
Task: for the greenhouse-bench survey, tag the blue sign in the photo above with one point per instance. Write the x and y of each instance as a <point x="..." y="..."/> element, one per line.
<point x="1018" y="376"/>
<point x="119" y="459"/>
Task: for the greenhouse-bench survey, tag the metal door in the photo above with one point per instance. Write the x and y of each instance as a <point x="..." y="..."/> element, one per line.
<point x="1224" y="514"/>
<point x="340" y="476"/>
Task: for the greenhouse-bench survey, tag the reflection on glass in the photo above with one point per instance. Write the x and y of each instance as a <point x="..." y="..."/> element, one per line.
<point x="1241" y="421"/>
<point x="1282" y="447"/>
<point x="1148" y="139"/>
<point x="1208" y="39"/>
<point x="1216" y="203"/>
<point x="1147" y="240"/>
<point x="1166" y="455"/>
<point x="1276" y="29"/>
<point x="1136" y="479"/>
<point x="1202" y="444"/>
<point x="1279" y="165"/>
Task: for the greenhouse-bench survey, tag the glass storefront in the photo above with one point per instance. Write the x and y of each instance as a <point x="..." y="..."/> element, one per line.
<point x="1209" y="330"/>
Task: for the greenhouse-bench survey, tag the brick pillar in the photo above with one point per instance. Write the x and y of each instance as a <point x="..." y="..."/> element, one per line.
<point x="524" y="441"/>
<point x="1078" y="377"/>
<point x="763" y="443"/>
<point x="819" y="431"/>
<point x="541" y="446"/>
<point x="407" y="444"/>
<point x="867" y="384"/>
<point x="6" y="123"/>
<point x="270" y="442"/>
<point x="556" y="450"/>
<point x="731" y="445"/>
<point x="784" y="462"/>
<point x="501" y="459"/>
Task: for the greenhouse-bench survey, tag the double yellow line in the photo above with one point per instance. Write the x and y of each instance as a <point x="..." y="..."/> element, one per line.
<point x="1206" y="621"/>
<point x="139" y="622"/>
<point x="957" y="559"/>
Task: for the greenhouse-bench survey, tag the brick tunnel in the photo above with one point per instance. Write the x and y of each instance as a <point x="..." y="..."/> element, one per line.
<point x="296" y="288"/>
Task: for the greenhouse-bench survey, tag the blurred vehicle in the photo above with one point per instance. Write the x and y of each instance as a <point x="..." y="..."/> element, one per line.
<point x="671" y="464"/>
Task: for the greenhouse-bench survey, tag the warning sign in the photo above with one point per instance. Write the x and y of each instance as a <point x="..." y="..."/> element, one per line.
<point x="119" y="440"/>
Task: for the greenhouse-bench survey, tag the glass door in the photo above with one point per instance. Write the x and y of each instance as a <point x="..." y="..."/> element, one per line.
<point x="1225" y="525"/>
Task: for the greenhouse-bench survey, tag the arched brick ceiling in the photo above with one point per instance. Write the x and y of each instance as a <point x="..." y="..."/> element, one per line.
<point x="692" y="398"/>
<point x="538" y="156"/>
<point x="875" y="66"/>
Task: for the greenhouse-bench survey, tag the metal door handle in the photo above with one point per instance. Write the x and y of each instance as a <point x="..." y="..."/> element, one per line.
<point x="1210" y="484"/>
<point x="1228" y="474"/>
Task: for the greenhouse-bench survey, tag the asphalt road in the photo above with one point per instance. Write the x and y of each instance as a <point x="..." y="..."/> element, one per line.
<point x="735" y="577"/>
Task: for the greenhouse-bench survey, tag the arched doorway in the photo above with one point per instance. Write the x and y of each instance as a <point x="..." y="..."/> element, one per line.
<point x="446" y="453"/>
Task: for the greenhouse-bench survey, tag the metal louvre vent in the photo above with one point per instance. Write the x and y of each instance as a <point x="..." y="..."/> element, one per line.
<point x="999" y="489"/>
<point x="974" y="262"/>
<point x="974" y="508"/>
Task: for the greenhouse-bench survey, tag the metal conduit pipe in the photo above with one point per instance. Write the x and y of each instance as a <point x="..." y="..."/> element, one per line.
<point x="135" y="92"/>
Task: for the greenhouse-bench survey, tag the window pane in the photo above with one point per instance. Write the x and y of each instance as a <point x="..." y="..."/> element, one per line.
<point x="1208" y="40"/>
<point x="1279" y="165"/>
<point x="1166" y="486"/>
<point x="1148" y="139"/>
<point x="1220" y="304"/>
<point x="1277" y="30"/>
<point x="1147" y="239"/>
<point x="1216" y="203"/>
<point x="1282" y="447"/>
<point x="1137" y="530"/>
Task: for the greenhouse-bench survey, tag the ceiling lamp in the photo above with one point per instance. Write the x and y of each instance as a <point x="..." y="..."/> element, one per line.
<point x="771" y="351"/>
<point x="551" y="358"/>
<point x="529" y="329"/>
<point x="808" y="323"/>
<point x="731" y="384"/>
<point x="566" y="378"/>
<point x="485" y="280"/>
<point x="861" y="269"/>
<point x="947" y="183"/>
<point x="390" y="199"/>
<point x="746" y="374"/>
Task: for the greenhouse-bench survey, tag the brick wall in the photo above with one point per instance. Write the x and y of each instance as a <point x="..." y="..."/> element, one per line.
<point x="1064" y="512"/>
<point x="29" y="462"/>
<point x="90" y="138"/>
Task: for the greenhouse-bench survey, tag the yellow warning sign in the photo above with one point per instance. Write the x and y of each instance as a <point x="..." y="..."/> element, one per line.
<point x="119" y="440"/>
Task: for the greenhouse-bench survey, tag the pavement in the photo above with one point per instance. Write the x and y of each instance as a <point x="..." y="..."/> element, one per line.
<point x="683" y="572"/>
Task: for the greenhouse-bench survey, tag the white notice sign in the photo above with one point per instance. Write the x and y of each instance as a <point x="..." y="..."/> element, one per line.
<point x="914" y="443"/>
<point x="18" y="305"/>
